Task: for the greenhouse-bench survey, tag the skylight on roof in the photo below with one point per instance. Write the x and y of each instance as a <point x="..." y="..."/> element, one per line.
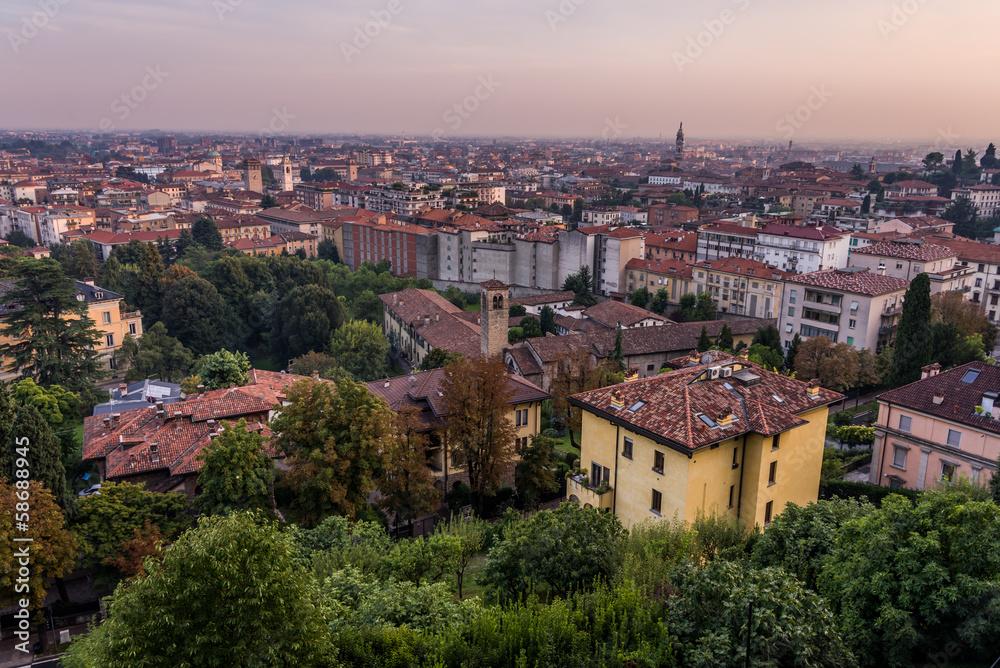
<point x="970" y="376"/>
<point x="778" y="399"/>
<point x="707" y="420"/>
<point x="727" y="386"/>
<point x="636" y="406"/>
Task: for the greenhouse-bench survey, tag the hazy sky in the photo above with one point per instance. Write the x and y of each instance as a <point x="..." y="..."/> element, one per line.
<point x="880" y="69"/>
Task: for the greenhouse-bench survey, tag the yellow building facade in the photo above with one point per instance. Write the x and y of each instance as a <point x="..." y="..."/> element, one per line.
<point x="722" y="437"/>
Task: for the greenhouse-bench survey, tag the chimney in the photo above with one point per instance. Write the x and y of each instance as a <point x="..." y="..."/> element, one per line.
<point x="315" y="375"/>
<point x="107" y="422"/>
<point x="211" y="423"/>
<point x="694" y="358"/>
<point x="201" y="390"/>
<point x="282" y="375"/>
<point x="89" y="280"/>
<point x="725" y="418"/>
<point x="930" y="370"/>
<point x="812" y="388"/>
<point x="116" y="418"/>
<point x="123" y="388"/>
<point x="938" y="398"/>
<point x="617" y="399"/>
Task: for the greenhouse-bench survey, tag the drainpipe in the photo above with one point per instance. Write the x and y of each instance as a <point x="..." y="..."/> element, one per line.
<point x="885" y="441"/>
<point x="614" y="499"/>
<point x="739" y="501"/>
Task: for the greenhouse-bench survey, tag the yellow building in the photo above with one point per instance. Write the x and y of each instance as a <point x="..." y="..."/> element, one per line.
<point x="421" y="392"/>
<point x="721" y="435"/>
<point x="105" y="309"/>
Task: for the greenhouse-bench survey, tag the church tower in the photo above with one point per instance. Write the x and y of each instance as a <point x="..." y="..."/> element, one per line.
<point x="493" y="317"/>
<point x="251" y="174"/>
<point x="679" y="153"/>
<point x="871" y="166"/>
<point x="287" y="183"/>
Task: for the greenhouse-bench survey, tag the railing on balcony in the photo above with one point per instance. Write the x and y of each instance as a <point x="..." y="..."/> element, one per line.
<point x="892" y="309"/>
<point x="600" y="496"/>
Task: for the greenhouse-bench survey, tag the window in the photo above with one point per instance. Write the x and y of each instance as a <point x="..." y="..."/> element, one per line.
<point x="954" y="438"/>
<point x="905" y="423"/>
<point x="131" y="328"/>
<point x="777" y="437"/>
<point x="106" y="317"/>
<point x="767" y="512"/>
<point x="736" y="452"/>
<point x="791" y="311"/>
<point x="850" y="340"/>
<point x="899" y="457"/>
<point x="948" y="470"/>
<point x="109" y="339"/>
<point x="627" y="448"/>
<point x="899" y="265"/>
<point x="658" y="461"/>
<point x="772" y="472"/>
<point x="852" y="323"/>
<point x="517" y="418"/>
<point x="657" y="502"/>
<point x="732" y="493"/>
<point x="854" y="306"/>
<point x="792" y="295"/>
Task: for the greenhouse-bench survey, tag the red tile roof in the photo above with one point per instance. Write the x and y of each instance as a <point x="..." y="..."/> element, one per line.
<point x="862" y="282"/>
<point x="958" y="399"/>
<point x="610" y="313"/>
<point x="672" y="403"/>
<point x="907" y="249"/>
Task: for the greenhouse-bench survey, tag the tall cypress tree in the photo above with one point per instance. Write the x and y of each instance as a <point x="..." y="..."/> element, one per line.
<point x="704" y="341"/>
<point x="618" y="353"/>
<point x="53" y="338"/>
<point x="44" y="451"/>
<point x="725" y="341"/>
<point x="793" y="350"/>
<point x="956" y="165"/>
<point x="914" y="345"/>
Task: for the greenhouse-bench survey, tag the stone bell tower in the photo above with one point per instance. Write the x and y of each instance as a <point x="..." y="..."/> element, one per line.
<point x="287" y="180"/>
<point x="251" y="173"/>
<point x="493" y="317"/>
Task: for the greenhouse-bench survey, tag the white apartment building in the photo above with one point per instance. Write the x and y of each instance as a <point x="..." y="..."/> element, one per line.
<point x="852" y="305"/>
<point x="985" y="197"/>
<point x="802" y="250"/>
<point x="407" y="201"/>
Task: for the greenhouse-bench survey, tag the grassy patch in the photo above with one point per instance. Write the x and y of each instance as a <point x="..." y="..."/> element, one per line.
<point x="470" y="588"/>
<point x="563" y="444"/>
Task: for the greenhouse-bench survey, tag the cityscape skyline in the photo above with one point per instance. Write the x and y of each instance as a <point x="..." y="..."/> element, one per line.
<point x="569" y="69"/>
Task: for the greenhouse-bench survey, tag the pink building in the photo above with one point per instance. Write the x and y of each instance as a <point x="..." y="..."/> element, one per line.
<point x="945" y="425"/>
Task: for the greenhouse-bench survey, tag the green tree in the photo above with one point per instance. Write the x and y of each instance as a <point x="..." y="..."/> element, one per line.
<point x="582" y="285"/>
<point x="236" y="472"/>
<point x="52" y="339"/>
<point x="247" y="604"/>
<point x="566" y="549"/>
<point x="725" y="340"/>
<point x="914" y="337"/>
<point x="206" y="233"/>
<point x="530" y="327"/>
<point x="689" y="307"/>
<point x="517" y="311"/>
<point x="223" y="369"/>
<point x="933" y="161"/>
<point x="765" y="356"/>
<point x="368" y="306"/>
<point x="866" y="205"/>
<point x="104" y="521"/>
<point x="267" y="201"/>
<point x="994" y="484"/>
<point x="155" y="354"/>
<point x="438" y="358"/>
<point x="472" y="533"/>
<point x="768" y="335"/>
<point x="640" y="297"/>
<point x="406" y="486"/>
<point x="59" y="407"/>
<point x="53" y="549"/>
<point x="708" y="614"/>
<point x="304" y="321"/>
<point x="956" y="164"/>
<point x="327" y="250"/>
<point x="547" y="320"/>
<point x="704" y="340"/>
<point x="310" y="363"/>
<point x="835" y="365"/>
<point x="335" y="440"/>
<point x="361" y="349"/>
<point x="44" y="453"/>
<point x="793" y="351"/>
<point x="617" y="356"/>
<point x="200" y="319"/>
<point x="964" y="214"/>
<point x="533" y="474"/>
<point x="801" y="538"/>
<point x="660" y="302"/>
<point x="476" y="397"/>
<point x="706" y="307"/>
<point x="857" y="171"/>
<point x="906" y="580"/>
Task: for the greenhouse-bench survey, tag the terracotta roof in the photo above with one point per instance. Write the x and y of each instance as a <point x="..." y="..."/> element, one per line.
<point x="540" y="300"/>
<point x="413" y="305"/>
<point x="668" y="408"/>
<point x="818" y="233"/>
<point x="666" y="267"/>
<point x="494" y="284"/>
<point x="958" y="399"/>
<point x="862" y="282"/>
<point x="907" y="249"/>
<point x="610" y="313"/>
<point x="745" y="267"/>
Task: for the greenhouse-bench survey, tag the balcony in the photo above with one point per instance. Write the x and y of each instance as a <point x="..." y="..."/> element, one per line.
<point x="601" y="496"/>
<point x="892" y="309"/>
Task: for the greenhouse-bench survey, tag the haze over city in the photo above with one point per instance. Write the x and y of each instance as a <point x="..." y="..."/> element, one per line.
<point x="882" y="70"/>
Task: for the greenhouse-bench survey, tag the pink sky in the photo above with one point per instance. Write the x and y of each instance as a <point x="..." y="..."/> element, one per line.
<point x="591" y="68"/>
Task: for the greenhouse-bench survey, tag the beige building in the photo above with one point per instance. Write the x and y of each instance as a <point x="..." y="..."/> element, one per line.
<point x="741" y="285"/>
<point x="853" y="305"/>
<point x="905" y="258"/>
<point x="676" y="277"/>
